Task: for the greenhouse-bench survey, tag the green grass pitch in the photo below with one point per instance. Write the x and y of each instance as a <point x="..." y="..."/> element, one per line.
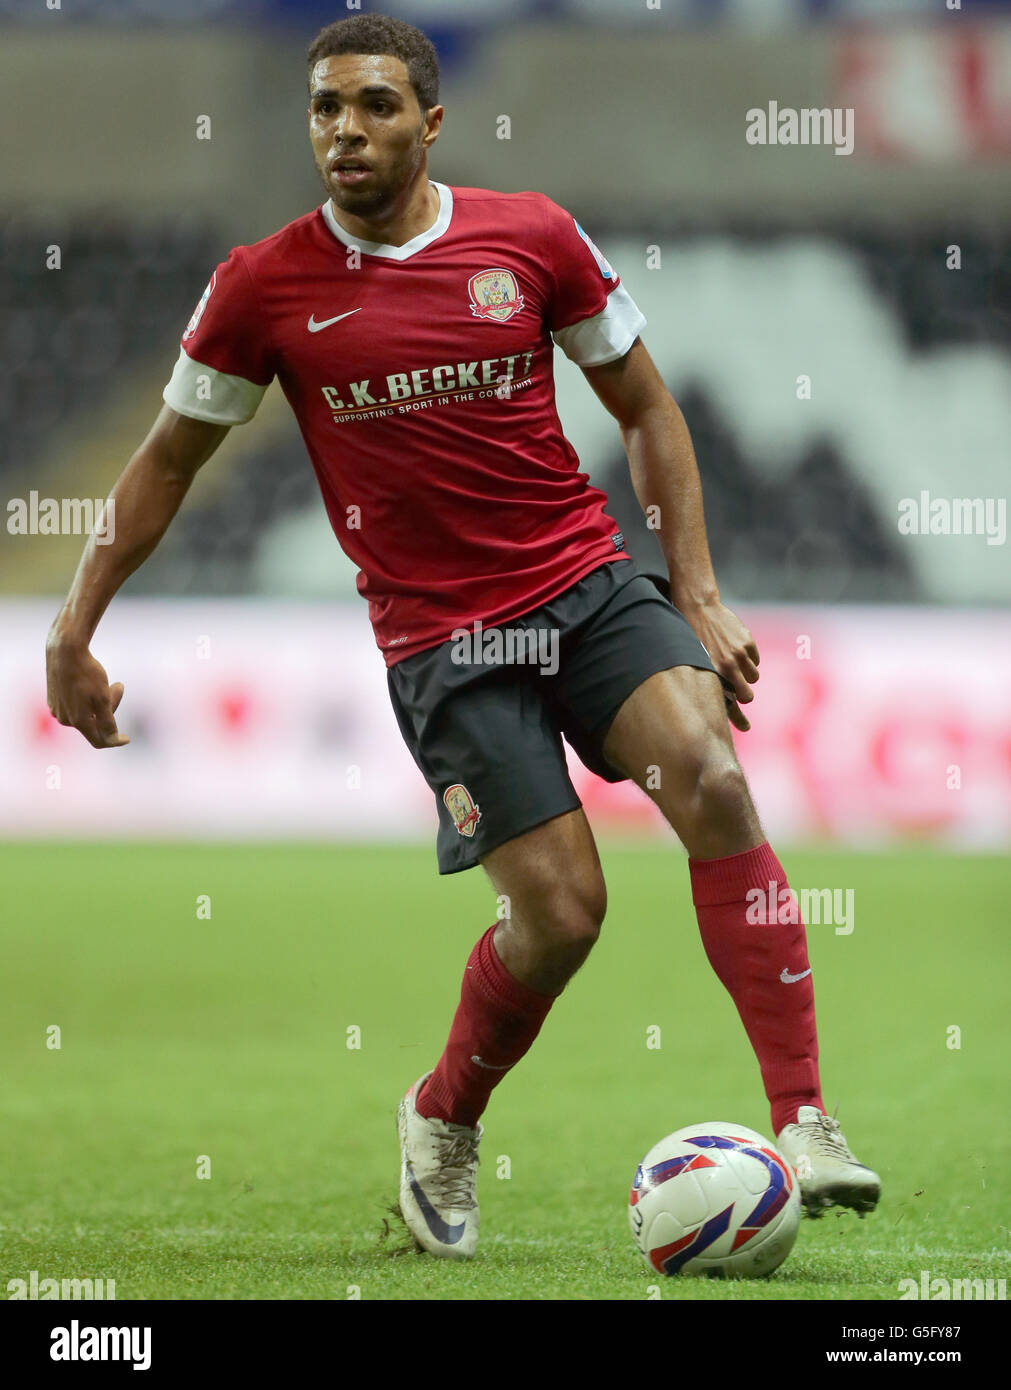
<point x="183" y="1036"/>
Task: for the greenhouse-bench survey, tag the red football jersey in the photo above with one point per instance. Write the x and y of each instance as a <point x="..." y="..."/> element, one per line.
<point x="422" y="380"/>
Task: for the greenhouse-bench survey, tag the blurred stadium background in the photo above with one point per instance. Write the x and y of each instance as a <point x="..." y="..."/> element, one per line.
<point x="255" y="697"/>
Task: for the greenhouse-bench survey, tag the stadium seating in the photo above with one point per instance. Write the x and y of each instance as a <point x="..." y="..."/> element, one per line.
<point x="121" y="299"/>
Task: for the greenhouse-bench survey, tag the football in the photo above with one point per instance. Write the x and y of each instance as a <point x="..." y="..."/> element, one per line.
<point x="714" y="1199"/>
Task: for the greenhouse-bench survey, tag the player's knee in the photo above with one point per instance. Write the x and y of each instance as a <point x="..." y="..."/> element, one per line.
<point x="567" y="913"/>
<point x="587" y="907"/>
<point x="721" y="791"/>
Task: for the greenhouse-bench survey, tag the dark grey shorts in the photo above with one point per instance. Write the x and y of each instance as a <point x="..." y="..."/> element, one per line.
<point x="485" y="724"/>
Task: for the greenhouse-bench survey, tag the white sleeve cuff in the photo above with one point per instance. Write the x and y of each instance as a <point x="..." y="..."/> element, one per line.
<point x="205" y="394"/>
<point x="605" y="337"/>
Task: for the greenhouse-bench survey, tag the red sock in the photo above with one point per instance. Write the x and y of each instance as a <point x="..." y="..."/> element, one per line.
<point x="496" y="1020"/>
<point x="749" y="957"/>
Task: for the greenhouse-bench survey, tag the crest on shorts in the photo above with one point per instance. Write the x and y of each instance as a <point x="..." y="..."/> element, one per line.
<point x="460" y="805"/>
<point x="494" y="294"/>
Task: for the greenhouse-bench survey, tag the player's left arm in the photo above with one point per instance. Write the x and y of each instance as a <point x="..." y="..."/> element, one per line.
<point x="665" y="477"/>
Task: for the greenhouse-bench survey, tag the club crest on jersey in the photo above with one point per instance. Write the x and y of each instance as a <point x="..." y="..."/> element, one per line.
<point x="494" y="294"/>
<point x="460" y="805"/>
<point x="191" y="327"/>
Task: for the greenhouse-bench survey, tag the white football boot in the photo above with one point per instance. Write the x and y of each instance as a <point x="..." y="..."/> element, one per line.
<point x="438" y="1180"/>
<point x="827" y="1171"/>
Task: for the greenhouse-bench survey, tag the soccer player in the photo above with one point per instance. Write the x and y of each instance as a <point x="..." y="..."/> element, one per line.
<point x="411" y="326"/>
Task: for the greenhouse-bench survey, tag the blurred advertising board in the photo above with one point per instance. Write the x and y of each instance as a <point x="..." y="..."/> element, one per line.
<point x="254" y="719"/>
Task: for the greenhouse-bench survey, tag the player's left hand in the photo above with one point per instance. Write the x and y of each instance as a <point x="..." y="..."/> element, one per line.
<point x="732" y="650"/>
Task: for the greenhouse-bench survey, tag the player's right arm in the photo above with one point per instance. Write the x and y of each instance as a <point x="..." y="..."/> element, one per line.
<point x="225" y="365"/>
<point x="145" y="498"/>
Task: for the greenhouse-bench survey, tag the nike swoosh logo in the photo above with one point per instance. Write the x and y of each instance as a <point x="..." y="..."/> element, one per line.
<point x="314" y="327"/>
<point x="789" y="979"/>
<point x="449" y="1235"/>
<point x="490" y="1066"/>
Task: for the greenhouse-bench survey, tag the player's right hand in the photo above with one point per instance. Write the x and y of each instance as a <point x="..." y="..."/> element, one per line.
<point x="80" y="695"/>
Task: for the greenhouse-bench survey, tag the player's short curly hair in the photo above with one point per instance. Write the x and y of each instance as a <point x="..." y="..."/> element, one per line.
<point x="376" y="33"/>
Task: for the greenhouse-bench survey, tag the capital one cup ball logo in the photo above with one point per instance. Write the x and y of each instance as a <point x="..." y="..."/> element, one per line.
<point x="494" y="294"/>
